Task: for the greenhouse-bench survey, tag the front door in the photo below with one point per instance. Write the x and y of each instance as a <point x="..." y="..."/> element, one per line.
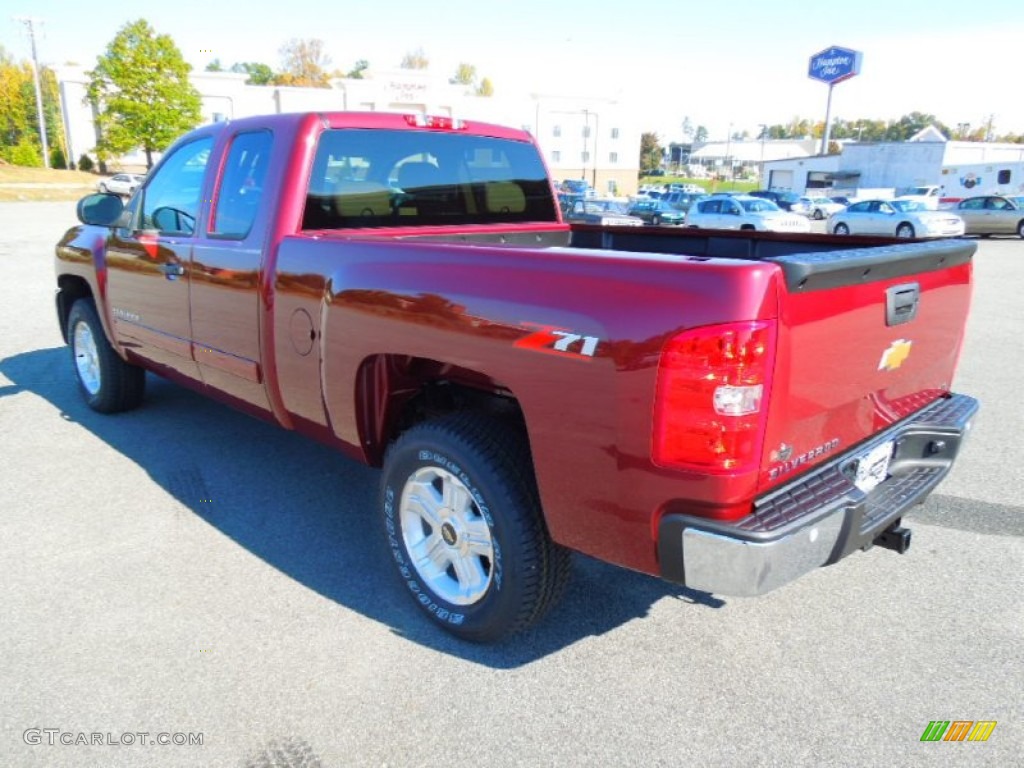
<point x="149" y="262"/>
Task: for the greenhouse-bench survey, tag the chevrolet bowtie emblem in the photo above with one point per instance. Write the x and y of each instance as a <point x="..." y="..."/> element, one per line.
<point x="895" y="355"/>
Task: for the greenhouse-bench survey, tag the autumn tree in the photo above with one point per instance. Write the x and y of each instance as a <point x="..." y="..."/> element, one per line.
<point x="486" y="88"/>
<point x="259" y="74"/>
<point x="305" y="64"/>
<point x="20" y="141"/>
<point x="415" y="60"/>
<point x="465" y="74"/>
<point x="142" y="93"/>
<point x="650" y="152"/>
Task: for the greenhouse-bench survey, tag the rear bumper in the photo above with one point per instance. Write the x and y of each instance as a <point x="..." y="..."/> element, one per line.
<point x="819" y="518"/>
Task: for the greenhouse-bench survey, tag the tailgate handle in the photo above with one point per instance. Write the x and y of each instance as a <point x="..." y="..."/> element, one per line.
<point x="901" y="303"/>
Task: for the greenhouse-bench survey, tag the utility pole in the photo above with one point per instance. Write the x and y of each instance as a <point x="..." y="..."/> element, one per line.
<point x="30" y="25"/>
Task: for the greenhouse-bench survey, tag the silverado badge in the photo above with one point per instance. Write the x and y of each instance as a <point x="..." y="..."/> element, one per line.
<point x="895" y="355"/>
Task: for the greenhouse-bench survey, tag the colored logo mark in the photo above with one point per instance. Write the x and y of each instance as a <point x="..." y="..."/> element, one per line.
<point x="958" y="730"/>
<point x="895" y="355"/>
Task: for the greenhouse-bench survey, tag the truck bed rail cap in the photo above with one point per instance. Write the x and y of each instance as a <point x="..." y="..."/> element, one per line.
<point x="833" y="269"/>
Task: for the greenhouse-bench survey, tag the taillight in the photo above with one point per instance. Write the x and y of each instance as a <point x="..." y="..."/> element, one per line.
<point x="711" y="400"/>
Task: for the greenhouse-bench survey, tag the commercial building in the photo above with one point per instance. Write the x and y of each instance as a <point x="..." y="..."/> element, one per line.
<point x="925" y="159"/>
<point x="597" y="139"/>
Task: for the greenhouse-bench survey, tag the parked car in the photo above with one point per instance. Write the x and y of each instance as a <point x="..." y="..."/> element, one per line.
<point x="656" y="212"/>
<point x="784" y="200"/>
<point x="123" y="184"/>
<point x="843" y="200"/>
<point x="595" y="210"/>
<point x="895" y="218"/>
<point x="819" y="208"/>
<point x="991" y="215"/>
<point x="744" y="212"/>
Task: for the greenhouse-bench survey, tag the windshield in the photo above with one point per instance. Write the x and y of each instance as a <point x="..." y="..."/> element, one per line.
<point x="757" y="205"/>
<point x="907" y="206"/>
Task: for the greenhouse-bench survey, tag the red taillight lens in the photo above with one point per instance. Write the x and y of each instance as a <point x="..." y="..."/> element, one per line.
<point x="711" y="401"/>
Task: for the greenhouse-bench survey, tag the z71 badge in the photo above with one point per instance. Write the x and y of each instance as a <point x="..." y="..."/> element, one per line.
<point x="558" y="341"/>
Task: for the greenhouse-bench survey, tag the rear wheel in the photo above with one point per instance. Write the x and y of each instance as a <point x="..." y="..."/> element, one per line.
<point x="107" y="382"/>
<point x="905" y="230"/>
<point x="819" y="214"/>
<point x="841" y="229"/>
<point x="463" y="521"/>
<point x="656" y="221"/>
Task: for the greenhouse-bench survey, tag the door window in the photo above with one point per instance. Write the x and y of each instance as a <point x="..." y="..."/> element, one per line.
<point x="172" y="197"/>
<point x="241" y="185"/>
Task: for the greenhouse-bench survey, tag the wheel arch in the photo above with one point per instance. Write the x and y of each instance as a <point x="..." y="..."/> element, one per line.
<point x="70" y="288"/>
<point x="396" y="392"/>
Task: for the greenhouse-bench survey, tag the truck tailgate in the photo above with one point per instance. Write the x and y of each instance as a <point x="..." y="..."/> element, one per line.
<point x="865" y="339"/>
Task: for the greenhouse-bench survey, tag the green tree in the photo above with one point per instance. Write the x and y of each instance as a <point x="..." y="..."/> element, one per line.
<point x="700" y="135"/>
<point x="305" y="64"/>
<point x="415" y="60"/>
<point x="259" y="74"/>
<point x="142" y="93"/>
<point x="650" y="151"/>
<point x="215" y="66"/>
<point x="356" y="73"/>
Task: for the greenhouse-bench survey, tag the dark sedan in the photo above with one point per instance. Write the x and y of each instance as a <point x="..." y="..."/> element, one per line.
<point x="656" y="212"/>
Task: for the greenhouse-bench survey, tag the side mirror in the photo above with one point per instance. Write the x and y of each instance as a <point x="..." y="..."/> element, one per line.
<point x="101" y="209"/>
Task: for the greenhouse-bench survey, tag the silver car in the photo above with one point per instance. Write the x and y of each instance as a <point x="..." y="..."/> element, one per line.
<point x="123" y="184"/>
<point x="895" y="218"/>
<point x="991" y="215"/>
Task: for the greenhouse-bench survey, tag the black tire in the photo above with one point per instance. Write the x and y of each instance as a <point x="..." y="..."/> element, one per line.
<point x="1020" y="229"/>
<point x="841" y="229"/>
<point x="656" y="221"/>
<point x="527" y="573"/>
<point x="905" y="230"/>
<point x="818" y="214"/>
<point x="102" y="187"/>
<point x="117" y="385"/>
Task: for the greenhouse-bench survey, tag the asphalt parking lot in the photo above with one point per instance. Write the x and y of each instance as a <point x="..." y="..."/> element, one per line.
<point x="184" y="569"/>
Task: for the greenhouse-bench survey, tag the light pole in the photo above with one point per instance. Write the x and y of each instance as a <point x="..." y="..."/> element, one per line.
<point x="764" y="135"/>
<point x="728" y="151"/>
<point x="29" y="23"/>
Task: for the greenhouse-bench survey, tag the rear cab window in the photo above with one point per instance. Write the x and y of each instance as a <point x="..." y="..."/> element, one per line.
<point x="399" y="178"/>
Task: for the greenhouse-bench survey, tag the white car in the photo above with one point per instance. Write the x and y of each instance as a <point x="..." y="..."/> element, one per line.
<point x="819" y="208"/>
<point x="121" y="183"/>
<point x="895" y="218"/>
<point x="743" y="212"/>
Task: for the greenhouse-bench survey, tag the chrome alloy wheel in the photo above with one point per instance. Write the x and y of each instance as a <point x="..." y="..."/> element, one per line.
<point x="446" y="536"/>
<point x="87" y="358"/>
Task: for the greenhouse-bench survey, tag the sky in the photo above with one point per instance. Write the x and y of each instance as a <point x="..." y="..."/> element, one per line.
<point x="730" y="65"/>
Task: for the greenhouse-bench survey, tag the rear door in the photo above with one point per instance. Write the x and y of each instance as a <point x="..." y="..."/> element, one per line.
<point x="148" y="263"/>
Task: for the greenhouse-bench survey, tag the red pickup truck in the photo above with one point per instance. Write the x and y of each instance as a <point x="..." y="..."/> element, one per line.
<point x="725" y="410"/>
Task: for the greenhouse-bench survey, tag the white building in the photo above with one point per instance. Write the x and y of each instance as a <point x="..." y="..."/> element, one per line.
<point x="593" y="138"/>
<point x="895" y="165"/>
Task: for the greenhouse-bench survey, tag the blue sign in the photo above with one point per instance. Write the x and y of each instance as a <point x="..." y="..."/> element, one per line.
<point x="835" y="64"/>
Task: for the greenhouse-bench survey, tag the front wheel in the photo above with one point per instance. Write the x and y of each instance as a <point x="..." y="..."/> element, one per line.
<point x="102" y="187"/>
<point x="107" y="382"/>
<point x="841" y="229"/>
<point x="656" y="221"/>
<point x="465" y="529"/>
<point x="1020" y="229"/>
<point x="905" y="230"/>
